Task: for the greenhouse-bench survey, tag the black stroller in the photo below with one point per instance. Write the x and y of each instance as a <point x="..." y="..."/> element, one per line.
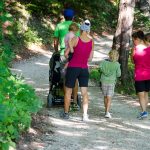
<point x="56" y="92"/>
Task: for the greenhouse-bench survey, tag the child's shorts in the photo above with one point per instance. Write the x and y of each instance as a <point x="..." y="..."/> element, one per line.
<point x="108" y="89"/>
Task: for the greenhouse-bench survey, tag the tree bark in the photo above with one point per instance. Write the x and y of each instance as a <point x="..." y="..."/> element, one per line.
<point x="121" y="40"/>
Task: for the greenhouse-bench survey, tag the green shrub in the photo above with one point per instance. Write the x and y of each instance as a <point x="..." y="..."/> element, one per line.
<point x="95" y="75"/>
<point x="17" y="100"/>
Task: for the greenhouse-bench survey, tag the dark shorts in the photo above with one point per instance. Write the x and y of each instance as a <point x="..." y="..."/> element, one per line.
<point x="73" y="73"/>
<point x="142" y="86"/>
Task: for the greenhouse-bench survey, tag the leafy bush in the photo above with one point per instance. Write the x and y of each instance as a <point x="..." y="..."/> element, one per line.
<point x="127" y="89"/>
<point x="95" y="74"/>
<point x="141" y="21"/>
<point x="17" y="100"/>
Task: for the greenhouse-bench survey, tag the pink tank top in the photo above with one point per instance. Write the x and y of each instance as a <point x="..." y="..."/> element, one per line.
<point x="81" y="54"/>
<point x="142" y="63"/>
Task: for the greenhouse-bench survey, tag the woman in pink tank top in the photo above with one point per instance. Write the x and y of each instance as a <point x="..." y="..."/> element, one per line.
<point x="82" y="48"/>
<point x="141" y="60"/>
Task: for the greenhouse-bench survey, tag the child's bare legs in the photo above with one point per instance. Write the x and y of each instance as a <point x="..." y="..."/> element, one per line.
<point x="107" y="103"/>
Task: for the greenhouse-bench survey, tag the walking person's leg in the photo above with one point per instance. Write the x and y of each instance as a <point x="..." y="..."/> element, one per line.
<point x="85" y="99"/>
<point x="70" y="79"/>
<point x="83" y="83"/>
<point x="67" y="98"/>
<point x="75" y="92"/>
<point x="142" y="100"/>
<point x="146" y="99"/>
<point x="107" y="103"/>
<point x="108" y="92"/>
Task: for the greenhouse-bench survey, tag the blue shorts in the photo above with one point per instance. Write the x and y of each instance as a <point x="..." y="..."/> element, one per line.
<point x="73" y="73"/>
<point x="142" y="86"/>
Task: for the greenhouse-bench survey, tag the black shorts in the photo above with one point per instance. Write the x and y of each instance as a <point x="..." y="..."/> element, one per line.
<point x="142" y="86"/>
<point x="73" y="73"/>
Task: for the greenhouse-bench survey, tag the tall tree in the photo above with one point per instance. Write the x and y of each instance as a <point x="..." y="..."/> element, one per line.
<point x="121" y="40"/>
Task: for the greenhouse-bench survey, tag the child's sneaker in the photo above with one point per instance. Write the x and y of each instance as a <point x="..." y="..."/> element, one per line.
<point x="64" y="115"/>
<point x="85" y="118"/>
<point x="143" y="114"/>
<point x="107" y="115"/>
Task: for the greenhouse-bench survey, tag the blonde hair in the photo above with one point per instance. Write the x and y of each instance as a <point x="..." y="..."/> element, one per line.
<point x="113" y="55"/>
<point x="73" y="27"/>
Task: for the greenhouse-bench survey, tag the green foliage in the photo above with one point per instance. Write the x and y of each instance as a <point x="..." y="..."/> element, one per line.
<point x="127" y="89"/>
<point x="141" y="21"/>
<point x="95" y="74"/>
<point x="17" y="100"/>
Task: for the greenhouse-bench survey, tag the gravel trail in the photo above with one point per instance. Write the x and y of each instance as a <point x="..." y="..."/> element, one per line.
<point x="123" y="132"/>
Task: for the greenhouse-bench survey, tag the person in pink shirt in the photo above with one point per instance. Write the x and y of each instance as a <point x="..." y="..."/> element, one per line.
<point x="141" y="60"/>
<point x="82" y="48"/>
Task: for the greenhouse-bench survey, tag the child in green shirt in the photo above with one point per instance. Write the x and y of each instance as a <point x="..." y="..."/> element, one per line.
<point x="110" y="70"/>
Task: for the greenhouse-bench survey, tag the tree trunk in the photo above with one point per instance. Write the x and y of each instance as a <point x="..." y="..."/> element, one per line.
<point x="121" y="40"/>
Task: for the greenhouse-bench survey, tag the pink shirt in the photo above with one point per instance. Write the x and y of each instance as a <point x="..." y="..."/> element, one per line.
<point x="141" y="59"/>
<point x="81" y="54"/>
<point x="68" y="37"/>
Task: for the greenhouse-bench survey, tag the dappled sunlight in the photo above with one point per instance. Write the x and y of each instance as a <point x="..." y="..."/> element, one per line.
<point x="67" y="133"/>
<point x="121" y="127"/>
<point x="15" y="70"/>
<point x="69" y="123"/>
<point x="42" y="64"/>
<point x="30" y="82"/>
<point x="102" y="147"/>
<point x="128" y="100"/>
<point x="143" y="126"/>
<point x="41" y="89"/>
<point x="32" y="131"/>
<point x="37" y="145"/>
<point x="38" y="49"/>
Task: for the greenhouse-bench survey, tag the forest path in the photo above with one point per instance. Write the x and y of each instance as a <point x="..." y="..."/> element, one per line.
<point x="49" y="132"/>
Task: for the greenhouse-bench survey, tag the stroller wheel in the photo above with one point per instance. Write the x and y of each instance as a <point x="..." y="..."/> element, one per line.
<point x="49" y="100"/>
<point x="79" y="100"/>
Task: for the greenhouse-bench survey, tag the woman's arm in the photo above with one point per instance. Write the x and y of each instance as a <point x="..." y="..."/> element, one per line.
<point x="67" y="52"/>
<point x="92" y="52"/>
<point x="131" y="55"/>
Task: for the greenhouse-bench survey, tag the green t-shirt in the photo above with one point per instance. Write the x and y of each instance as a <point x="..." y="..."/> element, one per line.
<point x="60" y="32"/>
<point x="109" y="71"/>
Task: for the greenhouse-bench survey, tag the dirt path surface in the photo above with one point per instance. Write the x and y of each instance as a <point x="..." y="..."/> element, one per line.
<point x="49" y="132"/>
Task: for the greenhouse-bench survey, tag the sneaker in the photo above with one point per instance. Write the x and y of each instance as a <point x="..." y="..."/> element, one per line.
<point x="64" y="115"/>
<point x="107" y="115"/>
<point x="143" y="114"/>
<point x="85" y="118"/>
